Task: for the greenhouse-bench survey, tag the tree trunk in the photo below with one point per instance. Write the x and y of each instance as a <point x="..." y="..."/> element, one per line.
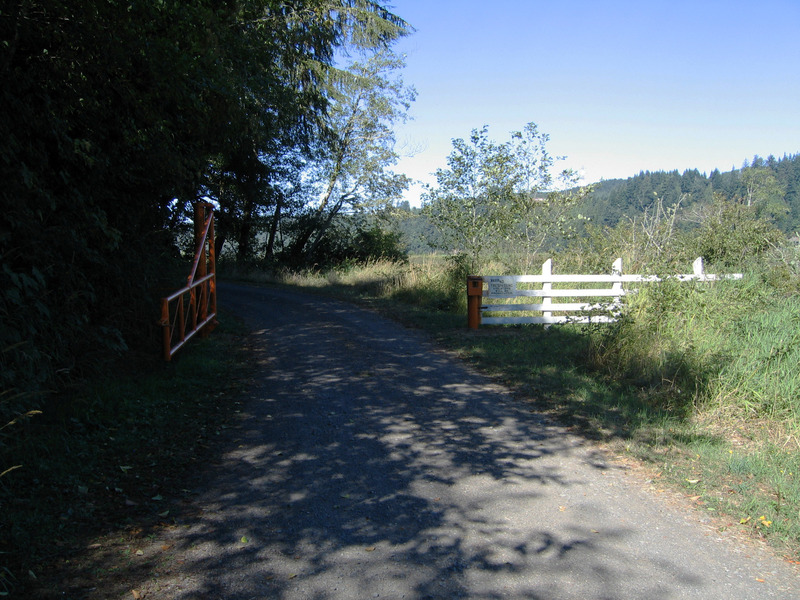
<point x="269" y="251"/>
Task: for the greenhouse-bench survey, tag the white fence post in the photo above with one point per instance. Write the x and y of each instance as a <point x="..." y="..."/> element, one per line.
<point x="698" y="268"/>
<point x="547" y="271"/>
<point x="616" y="269"/>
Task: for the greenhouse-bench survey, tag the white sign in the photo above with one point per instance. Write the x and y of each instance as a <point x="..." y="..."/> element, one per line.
<point x="498" y="287"/>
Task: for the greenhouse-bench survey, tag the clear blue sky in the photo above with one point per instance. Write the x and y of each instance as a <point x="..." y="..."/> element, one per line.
<point x="620" y="86"/>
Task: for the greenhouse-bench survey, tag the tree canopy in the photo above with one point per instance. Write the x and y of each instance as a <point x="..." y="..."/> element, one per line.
<point x="116" y="116"/>
<point x="492" y="194"/>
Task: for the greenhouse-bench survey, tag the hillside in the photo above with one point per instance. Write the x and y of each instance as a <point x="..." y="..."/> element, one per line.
<point x="772" y="185"/>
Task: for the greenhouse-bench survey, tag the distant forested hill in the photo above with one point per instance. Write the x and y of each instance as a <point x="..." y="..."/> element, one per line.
<point x="771" y="184"/>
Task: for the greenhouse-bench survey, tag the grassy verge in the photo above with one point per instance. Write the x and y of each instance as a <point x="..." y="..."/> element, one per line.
<point x="107" y="459"/>
<point x="699" y="384"/>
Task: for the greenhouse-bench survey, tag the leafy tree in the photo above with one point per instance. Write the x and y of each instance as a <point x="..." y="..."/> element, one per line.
<point x="762" y="189"/>
<point x="105" y="119"/>
<point x="470" y="204"/>
<point x="350" y="171"/>
<point x="114" y="117"/>
<point x="544" y="203"/>
<point x="495" y="192"/>
<point x="357" y="240"/>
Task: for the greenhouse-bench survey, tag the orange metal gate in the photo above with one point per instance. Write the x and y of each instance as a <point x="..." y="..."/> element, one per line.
<point x="193" y="308"/>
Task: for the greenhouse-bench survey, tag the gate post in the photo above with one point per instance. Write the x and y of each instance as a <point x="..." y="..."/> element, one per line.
<point x="474" y="300"/>
<point x="200" y="311"/>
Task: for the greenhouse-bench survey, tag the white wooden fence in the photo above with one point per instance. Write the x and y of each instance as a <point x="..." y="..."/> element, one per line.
<point x="596" y="305"/>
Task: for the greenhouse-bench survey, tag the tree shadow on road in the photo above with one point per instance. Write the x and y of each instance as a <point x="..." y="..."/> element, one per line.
<point x="369" y="465"/>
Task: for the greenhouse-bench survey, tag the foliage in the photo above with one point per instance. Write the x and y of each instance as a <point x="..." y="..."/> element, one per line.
<point x="613" y="201"/>
<point x="771" y="186"/>
<point x="659" y="207"/>
<point x="728" y="347"/>
<point x="419" y="234"/>
<point x="494" y="192"/>
<point x="471" y="201"/>
<point x="356" y="242"/>
<point x="763" y="382"/>
<point x="350" y="171"/>
<point x="115" y="117"/>
<point x="656" y="344"/>
<point x="732" y="233"/>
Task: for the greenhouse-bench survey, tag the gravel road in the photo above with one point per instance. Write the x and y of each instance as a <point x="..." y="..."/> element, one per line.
<point x="370" y="465"/>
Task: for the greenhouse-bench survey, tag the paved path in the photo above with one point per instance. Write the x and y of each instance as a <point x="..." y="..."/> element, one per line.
<point x="370" y="465"/>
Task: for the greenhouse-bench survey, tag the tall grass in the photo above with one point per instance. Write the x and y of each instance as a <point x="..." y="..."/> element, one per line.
<point x="726" y="349"/>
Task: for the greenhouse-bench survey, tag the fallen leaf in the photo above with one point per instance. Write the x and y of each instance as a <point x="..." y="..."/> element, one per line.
<point x="370" y="549"/>
<point x="244" y="539"/>
<point x="693" y="481"/>
<point x="166" y="547"/>
<point x="744" y="521"/>
<point x="292" y="575"/>
<point x="140" y="553"/>
<point x="136" y="594"/>
<point x="759" y="580"/>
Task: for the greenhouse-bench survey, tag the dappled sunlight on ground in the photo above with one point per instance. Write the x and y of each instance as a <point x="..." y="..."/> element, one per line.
<point x="367" y="465"/>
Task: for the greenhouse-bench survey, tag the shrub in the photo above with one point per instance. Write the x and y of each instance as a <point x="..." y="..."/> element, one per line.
<point x="734" y="233"/>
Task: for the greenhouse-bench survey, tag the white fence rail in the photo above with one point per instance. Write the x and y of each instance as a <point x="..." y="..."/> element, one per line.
<point x="595" y="304"/>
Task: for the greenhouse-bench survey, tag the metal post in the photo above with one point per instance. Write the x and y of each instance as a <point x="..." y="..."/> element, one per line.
<point x="167" y="329"/>
<point x="474" y="301"/>
<point x="200" y="308"/>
